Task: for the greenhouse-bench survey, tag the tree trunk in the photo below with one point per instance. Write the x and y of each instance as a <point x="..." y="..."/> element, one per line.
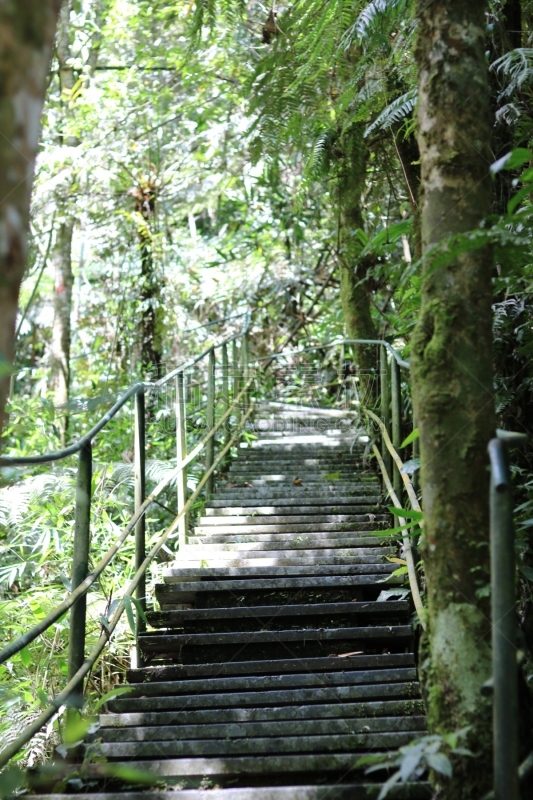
<point x="452" y="378"/>
<point x="26" y="37"/>
<point x="354" y="288"/>
<point x="59" y="382"/>
<point x="151" y="339"/>
<point x="61" y="333"/>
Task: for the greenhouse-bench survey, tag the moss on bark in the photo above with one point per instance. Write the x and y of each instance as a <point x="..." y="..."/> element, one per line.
<point x="452" y="377"/>
<point x="354" y="287"/>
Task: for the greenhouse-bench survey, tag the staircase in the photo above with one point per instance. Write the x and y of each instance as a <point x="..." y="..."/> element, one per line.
<point x="282" y="651"/>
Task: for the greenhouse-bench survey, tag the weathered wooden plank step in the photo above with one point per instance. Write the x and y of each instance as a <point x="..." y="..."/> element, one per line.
<point x="338" y="791"/>
<point x="299" y="558"/>
<point x="243" y="765"/>
<point x="259" y="584"/>
<point x="348" y="742"/>
<point x="347" y="545"/>
<point x="351" y="470"/>
<point x="239" y="730"/>
<point x="278" y="666"/>
<point x="317" y="694"/>
<point x="281" y="550"/>
<point x="269" y="494"/>
<point x="214" y="509"/>
<point x="233" y="520"/>
<point x="184" y="617"/>
<point x="311" y="538"/>
<point x="177" y="574"/>
<point x="311" y="480"/>
<point x="311" y="529"/>
<point x="162" y="641"/>
<point x="247" y="683"/>
<point x="315" y="711"/>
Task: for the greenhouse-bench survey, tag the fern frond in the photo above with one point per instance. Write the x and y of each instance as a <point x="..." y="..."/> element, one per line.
<point x="517" y="67"/>
<point x="396" y="111"/>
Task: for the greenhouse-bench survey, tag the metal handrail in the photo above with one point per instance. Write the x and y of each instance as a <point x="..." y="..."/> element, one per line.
<point x="79" y="667"/>
<point x="85" y="668"/>
<point x="394" y="353"/>
<point x="504" y="618"/>
<point x="23" y="641"/>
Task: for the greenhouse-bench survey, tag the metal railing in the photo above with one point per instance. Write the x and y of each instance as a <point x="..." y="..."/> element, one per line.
<point x="240" y="409"/>
<point x="504" y="683"/>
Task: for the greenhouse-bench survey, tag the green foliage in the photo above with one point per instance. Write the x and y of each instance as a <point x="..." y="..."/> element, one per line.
<point x="416" y="759"/>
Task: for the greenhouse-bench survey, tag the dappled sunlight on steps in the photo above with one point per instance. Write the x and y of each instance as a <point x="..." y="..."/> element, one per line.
<point x="275" y="662"/>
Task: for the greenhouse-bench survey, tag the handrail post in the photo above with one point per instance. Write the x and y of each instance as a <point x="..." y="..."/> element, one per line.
<point x="385" y="405"/>
<point x="181" y="448"/>
<point x="245" y="368"/>
<point x="225" y="390"/>
<point x="236" y="381"/>
<point x="80" y="568"/>
<point x="504" y="627"/>
<point x="140" y="527"/>
<point x="210" y="419"/>
<point x="396" y="420"/>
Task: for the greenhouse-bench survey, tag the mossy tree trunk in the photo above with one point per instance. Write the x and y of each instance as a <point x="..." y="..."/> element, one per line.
<point x="61" y="330"/>
<point x="452" y="378"/>
<point x="26" y="38"/>
<point x="59" y="382"/>
<point x="150" y="291"/>
<point x="354" y="286"/>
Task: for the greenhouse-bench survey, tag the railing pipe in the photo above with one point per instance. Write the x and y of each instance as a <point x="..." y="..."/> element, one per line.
<point x="181" y="445"/>
<point x="235" y="376"/>
<point x="396" y="399"/>
<point x="140" y="496"/>
<point x="245" y="365"/>
<point x="504" y="626"/>
<point x="80" y="566"/>
<point x="225" y="389"/>
<point x="385" y="403"/>
<point x="58" y="455"/>
<point x="210" y="420"/>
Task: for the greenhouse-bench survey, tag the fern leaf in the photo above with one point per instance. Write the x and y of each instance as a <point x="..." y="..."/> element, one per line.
<point x="396" y="111"/>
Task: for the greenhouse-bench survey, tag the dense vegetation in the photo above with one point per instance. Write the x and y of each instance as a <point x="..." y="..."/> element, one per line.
<point x="201" y="159"/>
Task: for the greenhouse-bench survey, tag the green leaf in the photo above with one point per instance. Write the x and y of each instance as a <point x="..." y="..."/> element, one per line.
<point x="527" y="572"/>
<point x="440" y="763"/>
<point x="411" y="438"/>
<point x="128" y="606"/>
<point x="25" y="657"/>
<point x="515" y="158"/>
<point x="406" y="513"/>
<point x="116" y="692"/>
<point x="11" y="780"/>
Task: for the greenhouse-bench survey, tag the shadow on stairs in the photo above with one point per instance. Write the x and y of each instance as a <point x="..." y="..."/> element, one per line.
<point x="282" y="652"/>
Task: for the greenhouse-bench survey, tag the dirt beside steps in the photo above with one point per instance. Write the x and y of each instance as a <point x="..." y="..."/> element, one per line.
<point x="275" y="662"/>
